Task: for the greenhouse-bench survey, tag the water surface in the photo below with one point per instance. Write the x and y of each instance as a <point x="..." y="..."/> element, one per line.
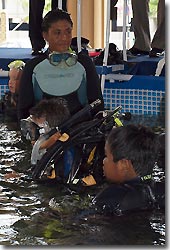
<point x="35" y="214"/>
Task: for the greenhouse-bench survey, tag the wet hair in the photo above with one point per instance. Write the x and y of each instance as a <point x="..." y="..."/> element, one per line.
<point x="136" y="143"/>
<point x="54" y="16"/>
<point x="54" y="110"/>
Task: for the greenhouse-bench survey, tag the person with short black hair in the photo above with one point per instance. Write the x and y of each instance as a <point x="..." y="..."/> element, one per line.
<point x="59" y="72"/>
<point x="131" y="153"/>
<point x="36" y="8"/>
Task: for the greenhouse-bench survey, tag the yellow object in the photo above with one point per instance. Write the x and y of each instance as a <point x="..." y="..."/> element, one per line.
<point x="91" y="156"/>
<point x="53" y="175"/>
<point x="89" y="180"/>
<point x="17" y="64"/>
<point x="118" y="122"/>
<point x="64" y="137"/>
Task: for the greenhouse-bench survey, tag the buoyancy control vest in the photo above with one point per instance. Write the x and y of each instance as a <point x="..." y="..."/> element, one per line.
<point x="61" y="81"/>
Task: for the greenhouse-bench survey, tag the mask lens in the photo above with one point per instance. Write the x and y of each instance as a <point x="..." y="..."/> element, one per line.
<point x="71" y="60"/>
<point x="55" y="58"/>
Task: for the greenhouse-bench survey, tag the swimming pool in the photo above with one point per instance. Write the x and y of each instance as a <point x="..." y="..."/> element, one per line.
<point x="36" y="214"/>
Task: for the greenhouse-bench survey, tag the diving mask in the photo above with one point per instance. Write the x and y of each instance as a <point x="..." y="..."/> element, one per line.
<point x="70" y="59"/>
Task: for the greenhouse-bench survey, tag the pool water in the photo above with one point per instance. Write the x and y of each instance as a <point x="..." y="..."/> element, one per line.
<point x="36" y="214"/>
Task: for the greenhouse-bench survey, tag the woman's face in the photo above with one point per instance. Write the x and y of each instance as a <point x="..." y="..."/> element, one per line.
<point x="59" y="36"/>
<point x="14" y="80"/>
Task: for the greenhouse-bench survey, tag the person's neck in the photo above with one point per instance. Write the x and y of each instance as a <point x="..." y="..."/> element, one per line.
<point x="69" y="50"/>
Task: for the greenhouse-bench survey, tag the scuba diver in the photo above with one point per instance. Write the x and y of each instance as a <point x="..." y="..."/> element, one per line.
<point x="99" y="151"/>
<point x="68" y="148"/>
<point x="46" y="115"/>
<point x="59" y="72"/>
<point x="131" y="152"/>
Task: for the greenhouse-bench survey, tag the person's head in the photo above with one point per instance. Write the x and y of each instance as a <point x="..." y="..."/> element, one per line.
<point x="15" y="73"/>
<point x="53" y="111"/>
<point x="57" y="28"/>
<point x="131" y="151"/>
<point x="47" y="114"/>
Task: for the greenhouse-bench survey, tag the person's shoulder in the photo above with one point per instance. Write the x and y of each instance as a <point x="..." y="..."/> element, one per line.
<point x="127" y="197"/>
<point x="31" y="63"/>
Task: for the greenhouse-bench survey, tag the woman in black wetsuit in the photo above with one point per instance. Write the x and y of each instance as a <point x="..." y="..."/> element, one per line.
<point x="59" y="72"/>
<point x="131" y="152"/>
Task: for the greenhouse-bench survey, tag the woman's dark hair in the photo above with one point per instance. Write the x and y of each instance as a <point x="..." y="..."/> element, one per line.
<point x="54" y="16"/>
<point x="139" y="144"/>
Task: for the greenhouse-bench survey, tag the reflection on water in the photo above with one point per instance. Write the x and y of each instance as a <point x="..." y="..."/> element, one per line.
<point x="42" y="214"/>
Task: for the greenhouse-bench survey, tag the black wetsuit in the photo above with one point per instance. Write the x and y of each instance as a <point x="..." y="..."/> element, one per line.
<point x="134" y="195"/>
<point x="8" y="106"/>
<point x="91" y="85"/>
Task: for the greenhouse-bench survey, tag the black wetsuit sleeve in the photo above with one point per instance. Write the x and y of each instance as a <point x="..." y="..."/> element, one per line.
<point x="93" y="83"/>
<point x="26" y="94"/>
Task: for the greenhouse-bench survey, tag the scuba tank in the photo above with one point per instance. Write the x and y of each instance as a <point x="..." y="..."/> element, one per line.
<point x="84" y="146"/>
